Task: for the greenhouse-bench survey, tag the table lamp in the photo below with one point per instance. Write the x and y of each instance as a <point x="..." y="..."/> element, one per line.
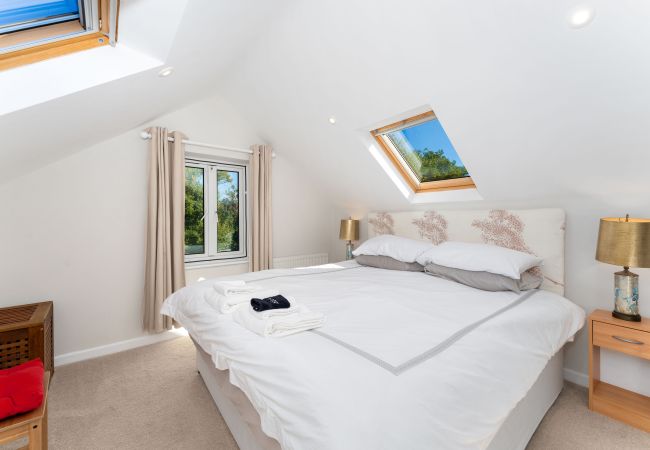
<point x="625" y="242"/>
<point x="349" y="232"/>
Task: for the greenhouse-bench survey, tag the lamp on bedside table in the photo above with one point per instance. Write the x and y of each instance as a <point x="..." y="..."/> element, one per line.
<point x="625" y="242"/>
<point x="349" y="232"/>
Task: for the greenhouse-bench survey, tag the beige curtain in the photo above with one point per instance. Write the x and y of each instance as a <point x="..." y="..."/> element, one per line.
<point x="260" y="253"/>
<point x="164" y="260"/>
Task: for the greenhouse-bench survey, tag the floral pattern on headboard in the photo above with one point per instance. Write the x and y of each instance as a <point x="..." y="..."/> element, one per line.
<point x="382" y="223"/>
<point x="536" y="231"/>
<point x="504" y="229"/>
<point x="432" y="226"/>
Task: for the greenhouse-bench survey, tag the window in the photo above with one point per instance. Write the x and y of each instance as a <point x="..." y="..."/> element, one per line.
<point x="33" y="30"/>
<point x="215" y="211"/>
<point x="16" y="15"/>
<point x="422" y="153"/>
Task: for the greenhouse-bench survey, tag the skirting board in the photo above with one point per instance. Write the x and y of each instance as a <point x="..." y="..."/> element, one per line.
<point x="578" y="378"/>
<point x="115" y="347"/>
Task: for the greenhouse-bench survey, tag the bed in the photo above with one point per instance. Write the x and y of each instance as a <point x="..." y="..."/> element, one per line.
<point x="405" y="359"/>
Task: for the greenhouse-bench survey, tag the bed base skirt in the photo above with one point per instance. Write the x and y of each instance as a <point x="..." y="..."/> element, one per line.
<point x="237" y="411"/>
<point x="244" y="422"/>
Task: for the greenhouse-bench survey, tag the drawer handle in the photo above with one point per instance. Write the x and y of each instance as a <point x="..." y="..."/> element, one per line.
<point x="629" y="341"/>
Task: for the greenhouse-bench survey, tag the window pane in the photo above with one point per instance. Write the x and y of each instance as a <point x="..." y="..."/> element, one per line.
<point x="194" y="211"/>
<point x="428" y="152"/>
<point x="23" y="14"/>
<point x="228" y="211"/>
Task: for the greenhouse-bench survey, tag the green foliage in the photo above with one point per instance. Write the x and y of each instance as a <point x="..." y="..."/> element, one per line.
<point x="428" y="165"/>
<point x="194" y="211"/>
<point x="228" y="211"/>
<point x="223" y="177"/>
<point x="436" y="166"/>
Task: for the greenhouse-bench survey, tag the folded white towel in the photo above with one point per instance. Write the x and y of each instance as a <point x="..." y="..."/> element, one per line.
<point x="278" y="312"/>
<point x="234" y="287"/>
<point x="276" y="323"/>
<point x="229" y="303"/>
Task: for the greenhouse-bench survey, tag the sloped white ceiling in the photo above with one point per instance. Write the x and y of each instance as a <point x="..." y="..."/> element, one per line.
<point x="200" y="41"/>
<point x="534" y="107"/>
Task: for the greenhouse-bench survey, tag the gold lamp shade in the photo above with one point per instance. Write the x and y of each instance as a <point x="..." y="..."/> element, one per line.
<point x="624" y="242"/>
<point x="349" y="230"/>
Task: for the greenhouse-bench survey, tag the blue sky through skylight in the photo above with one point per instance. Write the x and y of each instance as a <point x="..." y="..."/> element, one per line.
<point x="18" y="11"/>
<point x="427" y="151"/>
<point x="432" y="136"/>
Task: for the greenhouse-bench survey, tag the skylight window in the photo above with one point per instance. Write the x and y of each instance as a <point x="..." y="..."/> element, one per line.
<point x="422" y="153"/>
<point x="16" y="15"/>
<point x="33" y="30"/>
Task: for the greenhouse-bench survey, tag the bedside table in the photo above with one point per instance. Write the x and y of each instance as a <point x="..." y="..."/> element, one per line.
<point x="632" y="338"/>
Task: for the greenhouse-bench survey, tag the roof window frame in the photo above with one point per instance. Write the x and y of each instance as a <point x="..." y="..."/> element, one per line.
<point x="96" y="27"/>
<point x="403" y="168"/>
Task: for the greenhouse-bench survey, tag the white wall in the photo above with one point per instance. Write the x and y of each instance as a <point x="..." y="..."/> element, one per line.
<point x="74" y="231"/>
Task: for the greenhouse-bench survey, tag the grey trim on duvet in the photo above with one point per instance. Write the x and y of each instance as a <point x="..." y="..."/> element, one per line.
<point x="398" y="370"/>
<point x="304" y="274"/>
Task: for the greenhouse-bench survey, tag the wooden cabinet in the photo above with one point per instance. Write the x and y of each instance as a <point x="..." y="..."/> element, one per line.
<point x="632" y="338"/>
<point x="27" y="332"/>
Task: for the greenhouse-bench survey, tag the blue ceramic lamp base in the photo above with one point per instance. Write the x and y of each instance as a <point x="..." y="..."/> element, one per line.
<point x="348" y="250"/>
<point x="626" y="296"/>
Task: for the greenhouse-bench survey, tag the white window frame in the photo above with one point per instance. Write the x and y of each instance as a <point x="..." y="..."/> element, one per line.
<point x="210" y="218"/>
<point x="396" y="153"/>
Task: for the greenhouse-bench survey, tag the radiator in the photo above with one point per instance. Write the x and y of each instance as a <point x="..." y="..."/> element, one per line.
<point x="289" y="262"/>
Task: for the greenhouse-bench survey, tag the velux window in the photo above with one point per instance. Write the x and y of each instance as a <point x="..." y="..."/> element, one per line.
<point x="215" y="211"/>
<point x="19" y="15"/>
<point x="422" y="153"/>
<point x="33" y="30"/>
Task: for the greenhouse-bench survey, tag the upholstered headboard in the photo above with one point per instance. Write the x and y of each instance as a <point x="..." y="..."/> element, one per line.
<point x="536" y="231"/>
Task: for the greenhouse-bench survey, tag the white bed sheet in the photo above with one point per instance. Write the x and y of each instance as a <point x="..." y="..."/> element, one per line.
<point x="409" y="357"/>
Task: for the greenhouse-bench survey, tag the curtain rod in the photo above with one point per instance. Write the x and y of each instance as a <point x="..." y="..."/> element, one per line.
<point x="145" y="135"/>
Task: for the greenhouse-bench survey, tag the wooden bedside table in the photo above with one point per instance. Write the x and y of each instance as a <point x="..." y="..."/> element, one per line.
<point x="632" y="338"/>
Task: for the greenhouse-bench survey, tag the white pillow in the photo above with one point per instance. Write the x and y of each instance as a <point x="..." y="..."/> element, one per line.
<point x="397" y="247"/>
<point x="481" y="258"/>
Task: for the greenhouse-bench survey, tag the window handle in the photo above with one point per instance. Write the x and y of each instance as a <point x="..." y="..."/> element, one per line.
<point x="629" y="341"/>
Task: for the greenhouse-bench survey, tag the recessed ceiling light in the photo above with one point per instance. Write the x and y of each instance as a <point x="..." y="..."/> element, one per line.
<point x="167" y="71"/>
<point x="332" y="120"/>
<point x="581" y="16"/>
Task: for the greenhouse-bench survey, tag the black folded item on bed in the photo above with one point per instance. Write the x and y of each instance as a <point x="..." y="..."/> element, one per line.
<point x="274" y="302"/>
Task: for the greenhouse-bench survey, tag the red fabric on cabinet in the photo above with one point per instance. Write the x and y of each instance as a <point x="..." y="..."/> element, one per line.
<point x="21" y="388"/>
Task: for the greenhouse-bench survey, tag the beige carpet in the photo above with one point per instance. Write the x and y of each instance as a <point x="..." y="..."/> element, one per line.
<point x="569" y="425"/>
<point x="153" y="398"/>
<point x="147" y="398"/>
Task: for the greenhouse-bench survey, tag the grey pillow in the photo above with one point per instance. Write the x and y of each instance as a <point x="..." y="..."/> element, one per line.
<point x="485" y="280"/>
<point x="386" y="262"/>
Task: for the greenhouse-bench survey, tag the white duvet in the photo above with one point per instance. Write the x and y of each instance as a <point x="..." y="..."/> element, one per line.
<point x="404" y="360"/>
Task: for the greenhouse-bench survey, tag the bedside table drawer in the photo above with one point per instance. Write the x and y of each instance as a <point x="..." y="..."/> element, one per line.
<point x="622" y="339"/>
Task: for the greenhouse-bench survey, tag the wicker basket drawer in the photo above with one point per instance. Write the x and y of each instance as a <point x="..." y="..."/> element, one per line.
<point x="26" y="332"/>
